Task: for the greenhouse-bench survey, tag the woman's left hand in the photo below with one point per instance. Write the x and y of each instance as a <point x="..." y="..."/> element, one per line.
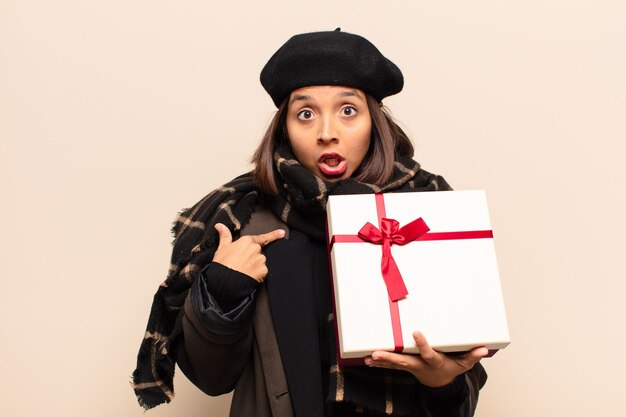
<point x="431" y="368"/>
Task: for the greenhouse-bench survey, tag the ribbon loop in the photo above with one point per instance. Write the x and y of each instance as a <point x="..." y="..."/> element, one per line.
<point x="411" y="231"/>
<point x="371" y="233"/>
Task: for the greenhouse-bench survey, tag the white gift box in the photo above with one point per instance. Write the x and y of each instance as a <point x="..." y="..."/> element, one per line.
<point x="454" y="294"/>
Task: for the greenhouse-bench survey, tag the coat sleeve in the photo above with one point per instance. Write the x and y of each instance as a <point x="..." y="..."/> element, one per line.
<point x="459" y="398"/>
<point x="216" y="342"/>
<point x="217" y="320"/>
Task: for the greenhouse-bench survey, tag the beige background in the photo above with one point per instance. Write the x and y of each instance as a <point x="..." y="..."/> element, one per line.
<point x="116" y="114"/>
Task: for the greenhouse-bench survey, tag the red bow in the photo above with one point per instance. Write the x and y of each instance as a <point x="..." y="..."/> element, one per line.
<point x="391" y="233"/>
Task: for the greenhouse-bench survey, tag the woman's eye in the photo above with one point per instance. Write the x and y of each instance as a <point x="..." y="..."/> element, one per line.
<point x="348" y="111"/>
<point x="305" y="115"/>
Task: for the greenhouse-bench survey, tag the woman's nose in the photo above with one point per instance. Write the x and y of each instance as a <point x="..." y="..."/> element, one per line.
<point x="328" y="132"/>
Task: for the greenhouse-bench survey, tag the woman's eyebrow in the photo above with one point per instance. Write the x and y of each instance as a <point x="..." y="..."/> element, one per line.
<point x="301" y="97"/>
<point x="350" y="93"/>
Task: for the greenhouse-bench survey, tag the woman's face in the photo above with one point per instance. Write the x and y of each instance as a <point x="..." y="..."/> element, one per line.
<point x="329" y="129"/>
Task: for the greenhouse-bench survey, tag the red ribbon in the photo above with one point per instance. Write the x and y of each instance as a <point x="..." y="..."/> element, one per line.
<point x="390" y="233"/>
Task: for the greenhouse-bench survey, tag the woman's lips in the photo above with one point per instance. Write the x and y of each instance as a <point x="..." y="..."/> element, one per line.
<point x="332" y="164"/>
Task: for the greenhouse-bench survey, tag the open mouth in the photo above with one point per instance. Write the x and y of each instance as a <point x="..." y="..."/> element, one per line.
<point x="332" y="164"/>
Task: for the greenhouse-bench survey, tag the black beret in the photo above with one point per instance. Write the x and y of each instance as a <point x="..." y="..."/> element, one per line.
<point x="330" y="58"/>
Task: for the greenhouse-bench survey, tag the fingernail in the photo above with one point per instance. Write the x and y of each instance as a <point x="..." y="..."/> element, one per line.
<point x="281" y="233"/>
<point x="368" y="361"/>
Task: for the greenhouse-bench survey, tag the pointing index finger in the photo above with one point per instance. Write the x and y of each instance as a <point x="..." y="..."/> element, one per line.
<point x="269" y="237"/>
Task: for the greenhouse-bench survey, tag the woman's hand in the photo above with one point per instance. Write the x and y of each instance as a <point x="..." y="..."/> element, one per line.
<point x="431" y="368"/>
<point x="244" y="254"/>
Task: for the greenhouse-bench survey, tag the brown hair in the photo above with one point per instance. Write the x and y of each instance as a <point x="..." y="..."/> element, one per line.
<point x="387" y="142"/>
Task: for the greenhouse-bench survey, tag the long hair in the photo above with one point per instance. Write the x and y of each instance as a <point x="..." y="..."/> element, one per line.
<point x="387" y="142"/>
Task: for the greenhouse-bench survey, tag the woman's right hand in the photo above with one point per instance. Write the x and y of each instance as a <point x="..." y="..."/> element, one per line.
<point x="244" y="255"/>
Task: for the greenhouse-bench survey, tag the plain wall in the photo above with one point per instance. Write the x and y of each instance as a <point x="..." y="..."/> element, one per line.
<point x="116" y="114"/>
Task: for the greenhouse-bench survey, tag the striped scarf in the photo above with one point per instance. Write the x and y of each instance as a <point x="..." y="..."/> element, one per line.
<point x="301" y="201"/>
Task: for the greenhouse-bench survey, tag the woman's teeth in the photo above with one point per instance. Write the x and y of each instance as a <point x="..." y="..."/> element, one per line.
<point x="333" y="162"/>
<point x="332" y="165"/>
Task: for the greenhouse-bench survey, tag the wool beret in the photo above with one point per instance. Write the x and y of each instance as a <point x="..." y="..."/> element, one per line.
<point x="330" y="58"/>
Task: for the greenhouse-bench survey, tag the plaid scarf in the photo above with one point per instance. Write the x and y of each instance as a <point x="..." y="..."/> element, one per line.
<point x="301" y="204"/>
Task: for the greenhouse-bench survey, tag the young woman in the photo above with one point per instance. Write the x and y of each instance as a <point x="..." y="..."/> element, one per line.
<point x="247" y="302"/>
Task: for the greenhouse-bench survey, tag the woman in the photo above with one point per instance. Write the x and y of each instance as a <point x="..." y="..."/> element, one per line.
<point x="247" y="304"/>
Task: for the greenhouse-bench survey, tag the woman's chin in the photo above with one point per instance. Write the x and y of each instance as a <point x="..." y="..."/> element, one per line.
<point x="332" y="178"/>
